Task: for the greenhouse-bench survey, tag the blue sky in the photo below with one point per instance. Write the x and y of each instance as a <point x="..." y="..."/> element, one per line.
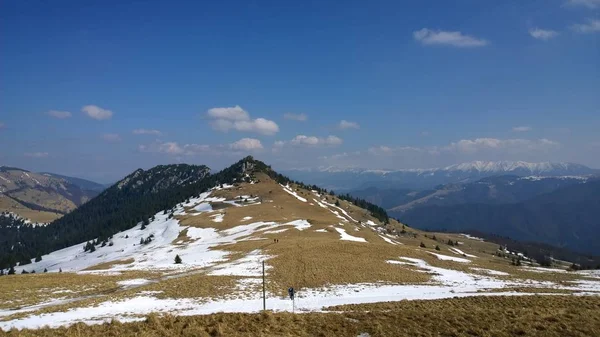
<point x="418" y="83"/>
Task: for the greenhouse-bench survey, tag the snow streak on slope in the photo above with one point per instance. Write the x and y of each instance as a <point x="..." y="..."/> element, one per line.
<point x="347" y="237"/>
<point x="288" y="190"/>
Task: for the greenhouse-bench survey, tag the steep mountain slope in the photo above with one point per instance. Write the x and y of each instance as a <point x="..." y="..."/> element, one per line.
<point x="39" y="197"/>
<point x="82" y="183"/>
<point x="348" y="179"/>
<point x="328" y="249"/>
<point x="122" y="206"/>
<point x="565" y="217"/>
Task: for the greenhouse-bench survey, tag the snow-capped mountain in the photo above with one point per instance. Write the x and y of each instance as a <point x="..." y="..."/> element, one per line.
<point x="350" y="178"/>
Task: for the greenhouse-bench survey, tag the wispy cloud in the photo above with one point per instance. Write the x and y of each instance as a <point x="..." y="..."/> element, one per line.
<point x="591" y="26"/>
<point x="584" y="3"/>
<point x="236" y="118"/>
<point x="456" y="39"/>
<point x="36" y="154"/>
<point x="295" y="117"/>
<point x="521" y="128"/>
<point x="96" y="112"/>
<point x="344" y="125"/>
<point x="542" y="34"/>
<point x="111" y="137"/>
<point x="147" y="132"/>
<point x="316" y="141"/>
<point x="59" y="114"/>
<point x="174" y="148"/>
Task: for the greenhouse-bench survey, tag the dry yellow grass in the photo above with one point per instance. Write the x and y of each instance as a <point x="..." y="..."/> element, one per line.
<point x="18" y="291"/>
<point x="551" y="316"/>
<point x="108" y="265"/>
<point x="8" y="204"/>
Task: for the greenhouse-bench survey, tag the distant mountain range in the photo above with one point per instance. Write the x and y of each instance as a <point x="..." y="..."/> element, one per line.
<point x="353" y="178"/>
<point x="42" y="197"/>
<point x="568" y="217"/>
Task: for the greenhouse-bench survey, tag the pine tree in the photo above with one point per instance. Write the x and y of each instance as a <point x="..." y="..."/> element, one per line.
<point x="11" y="271"/>
<point x="437" y="247"/>
<point x="92" y="248"/>
<point x="450" y="243"/>
<point x="38" y="258"/>
<point x="337" y="203"/>
<point x="60" y="270"/>
<point x="434" y="238"/>
<point x="45" y="270"/>
<point x="177" y="259"/>
<point x="141" y="241"/>
<point x="422" y="245"/>
<point x="1" y="272"/>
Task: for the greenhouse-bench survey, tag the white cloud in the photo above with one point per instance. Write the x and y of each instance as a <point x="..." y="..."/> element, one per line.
<point x="96" y="112"/>
<point x="585" y="3"/>
<point x="176" y="149"/>
<point x="295" y="117"/>
<point x="542" y="34"/>
<point x="59" y="114"/>
<point x="521" y="128"/>
<point x="236" y="118"/>
<point x="111" y="137"/>
<point x="456" y="39"/>
<point x="316" y="141"/>
<point x="592" y="26"/>
<point x="344" y="124"/>
<point x="247" y="144"/>
<point x="235" y="113"/>
<point x="146" y="132"/>
<point x="36" y="154"/>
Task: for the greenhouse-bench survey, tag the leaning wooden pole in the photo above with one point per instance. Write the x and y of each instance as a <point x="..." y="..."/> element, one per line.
<point x="264" y="292"/>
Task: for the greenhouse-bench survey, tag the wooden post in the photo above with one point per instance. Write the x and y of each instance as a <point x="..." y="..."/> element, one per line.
<point x="264" y="297"/>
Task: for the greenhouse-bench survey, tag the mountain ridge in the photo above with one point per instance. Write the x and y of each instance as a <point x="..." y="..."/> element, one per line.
<point x="353" y="178"/>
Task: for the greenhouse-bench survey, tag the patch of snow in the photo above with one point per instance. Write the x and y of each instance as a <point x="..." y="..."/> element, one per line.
<point x="321" y="230"/>
<point x="341" y="209"/>
<point x="544" y="270"/>
<point x="249" y="265"/>
<point x="347" y="237"/>
<point x="460" y="252"/>
<point x="203" y="207"/>
<point x="288" y="190"/>
<point x="450" y="258"/>
<point x="299" y="224"/>
<point x="388" y="240"/>
<point x="246" y="218"/>
<point x="490" y="271"/>
<point x="218" y="217"/>
<point x="472" y="237"/>
<point x="277" y="231"/>
<point x="133" y="282"/>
